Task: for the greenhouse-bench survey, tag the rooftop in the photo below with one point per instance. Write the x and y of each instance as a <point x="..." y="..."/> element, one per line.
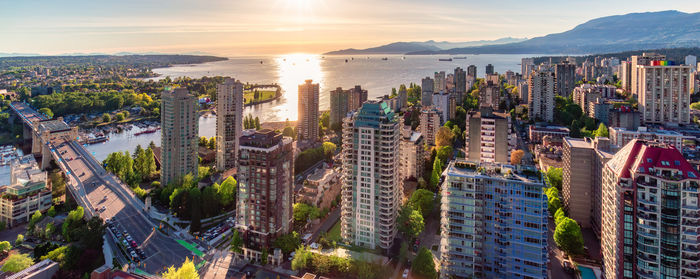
<point x="465" y="168"/>
<point x="645" y="157"/>
<point x="53" y="125"/>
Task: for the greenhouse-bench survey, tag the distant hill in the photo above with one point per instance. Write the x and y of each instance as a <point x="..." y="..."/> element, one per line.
<point x="652" y="30"/>
<point x="405" y="47"/>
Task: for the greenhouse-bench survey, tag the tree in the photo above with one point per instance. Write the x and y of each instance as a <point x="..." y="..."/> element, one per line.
<point x="423" y="264"/>
<point x="16" y="263"/>
<point x="516" y="157"/>
<point x="5" y="246"/>
<point x="329" y="149"/>
<point x="602" y="131"/>
<point x="303" y="212"/>
<point x="444" y="153"/>
<point x="302" y="258"/>
<point x="289" y="132"/>
<point x="403" y="251"/>
<point x="554" y="204"/>
<point x="186" y="271"/>
<point x="210" y="202"/>
<point x="410" y="222"/>
<point x="555" y="177"/>
<point x="559" y="215"/>
<point x="195" y="202"/>
<point x="288" y="242"/>
<point x="443" y="136"/>
<point x="120" y="117"/>
<point x="212" y="143"/>
<point x="568" y="236"/>
<point x="236" y="242"/>
<point x="227" y="191"/>
<point x="257" y="123"/>
<point x="36" y="217"/>
<point x="422" y="200"/>
<point x="263" y="256"/>
<point x="47" y="112"/>
<point x="19" y="240"/>
<point x="456" y="132"/>
<point x="106" y="118"/>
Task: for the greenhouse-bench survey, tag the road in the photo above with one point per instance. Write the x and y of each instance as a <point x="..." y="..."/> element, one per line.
<point x="110" y="199"/>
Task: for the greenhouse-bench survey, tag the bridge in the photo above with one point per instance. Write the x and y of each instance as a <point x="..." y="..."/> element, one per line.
<point x="100" y="193"/>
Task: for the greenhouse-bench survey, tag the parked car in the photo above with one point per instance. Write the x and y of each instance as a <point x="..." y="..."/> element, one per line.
<point x="405" y="273"/>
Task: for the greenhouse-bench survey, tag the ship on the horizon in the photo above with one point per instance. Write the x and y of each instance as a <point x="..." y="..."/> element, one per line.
<point x="445" y="59"/>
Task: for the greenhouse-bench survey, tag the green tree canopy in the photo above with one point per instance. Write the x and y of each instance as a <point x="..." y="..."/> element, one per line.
<point x="288" y="242"/>
<point x="236" y="242"/>
<point x="423" y="200"/>
<point x="554" y="204"/>
<point x="568" y="236"/>
<point x="423" y="265"/>
<point x="303" y="212"/>
<point x="329" y="149"/>
<point x="16" y="263"/>
<point x="186" y="271"/>
<point x="555" y="177"/>
<point x="227" y="191"/>
<point x="444" y="153"/>
<point x="559" y="215"/>
<point x="5" y="246"/>
<point x="410" y="222"/>
<point x="443" y="137"/>
<point x="602" y="131"/>
<point x="19" y="240"/>
<point x="47" y="112"/>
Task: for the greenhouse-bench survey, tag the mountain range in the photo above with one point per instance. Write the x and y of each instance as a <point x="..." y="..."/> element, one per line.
<point x="634" y="31"/>
<point x="405" y="47"/>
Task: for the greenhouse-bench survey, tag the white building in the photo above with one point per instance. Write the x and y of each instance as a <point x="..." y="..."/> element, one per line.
<point x="412" y="154"/>
<point x="371" y="187"/>
<point x="664" y="93"/>
<point x="429" y="124"/>
<point x="541" y="91"/>
<point x="26" y="193"/>
<point x="621" y="136"/>
<point x="446" y="104"/>
<point x="229" y="122"/>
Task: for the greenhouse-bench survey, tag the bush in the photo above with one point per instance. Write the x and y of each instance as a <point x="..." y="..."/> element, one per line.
<point x="568" y="236"/>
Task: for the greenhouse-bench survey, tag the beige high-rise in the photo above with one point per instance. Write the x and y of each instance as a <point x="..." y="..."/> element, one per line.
<point x="307" y="123"/>
<point x="180" y="135"/>
<point x="542" y="86"/>
<point x="229" y="115"/>
<point x="664" y="93"/>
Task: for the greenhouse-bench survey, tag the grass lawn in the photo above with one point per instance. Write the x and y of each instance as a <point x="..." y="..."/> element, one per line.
<point x="334" y="233"/>
<point x="263" y="95"/>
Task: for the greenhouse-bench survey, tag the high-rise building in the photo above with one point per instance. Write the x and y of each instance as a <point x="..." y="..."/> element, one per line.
<point x="427" y="86"/>
<point x="446" y="104"/>
<point x="339" y="106"/>
<point x="460" y="78"/>
<point x="180" y="135"/>
<point x="582" y="159"/>
<point x="621" y="136"/>
<point x="440" y="82"/>
<point x="471" y="72"/>
<point x="650" y="213"/>
<point x="402" y="98"/>
<point x="26" y="192"/>
<point x="371" y="187"/>
<point x="641" y="60"/>
<point x="488" y="136"/>
<point x="527" y="65"/>
<point x="542" y="85"/>
<point x="264" y="201"/>
<point x="523" y="92"/>
<point x="229" y="122"/>
<point x="307" y="124"/>
<point x="626" y="75"/>
<point x="429" y="124"/>
<point x="357" y="97"/>
<point x="664" y="93"/>
<point x="490" y="94"/>
<point x="489" y="69"/>
<point x="412" y="154"/>
<point x="494" y="222"/>
<point x="566" y="78"/>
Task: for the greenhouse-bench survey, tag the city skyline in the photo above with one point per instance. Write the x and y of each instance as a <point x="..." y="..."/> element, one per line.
<point x="286" y="26"/>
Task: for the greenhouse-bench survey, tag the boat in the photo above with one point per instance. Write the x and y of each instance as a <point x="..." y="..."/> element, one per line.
<point x="459" y="57"/>
<point x="147" y="131"/>
<point x="385" y="58"/>
<point x="445" y="59"/>
<point x="346" y="61"/>
<point x="96" y="138"/>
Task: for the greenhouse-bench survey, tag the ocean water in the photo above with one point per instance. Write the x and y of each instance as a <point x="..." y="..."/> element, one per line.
<point x="371" y="72"/>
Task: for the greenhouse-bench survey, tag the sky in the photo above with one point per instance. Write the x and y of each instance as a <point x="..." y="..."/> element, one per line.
<point x="260" y="27"/>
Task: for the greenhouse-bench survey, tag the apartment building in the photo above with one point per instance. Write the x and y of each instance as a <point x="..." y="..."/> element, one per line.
<point x="307" y="123"/>
<point x="663" y="93"/>
<point x="371" y="185"/>
<point x="229" y="122"/>
<point x="542" y="86"/>
<point x="264" y="201"/>
<point x="488" y="137"/>
<point x="621" y="136"/>
<point x="429" y="124"/>
<point x="26" y="193"/>
<point x="650" y="219"/>
<point x="493" y="221"/>
<point x="180" y="135"/>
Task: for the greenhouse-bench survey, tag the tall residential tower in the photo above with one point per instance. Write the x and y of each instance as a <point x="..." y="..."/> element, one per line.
<point x="229" y="122"/>
<point x="307" y="123"/>
<point x="180" y="135"/>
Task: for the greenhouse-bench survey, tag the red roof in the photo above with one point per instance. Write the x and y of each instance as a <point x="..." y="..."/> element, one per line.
<point x="638" y="154"/>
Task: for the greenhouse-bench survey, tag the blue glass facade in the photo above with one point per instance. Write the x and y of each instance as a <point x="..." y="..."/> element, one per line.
<point x="494" y="222"/>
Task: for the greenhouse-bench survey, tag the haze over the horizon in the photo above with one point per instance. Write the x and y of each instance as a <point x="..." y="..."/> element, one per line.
<point x="237" y="28"/>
